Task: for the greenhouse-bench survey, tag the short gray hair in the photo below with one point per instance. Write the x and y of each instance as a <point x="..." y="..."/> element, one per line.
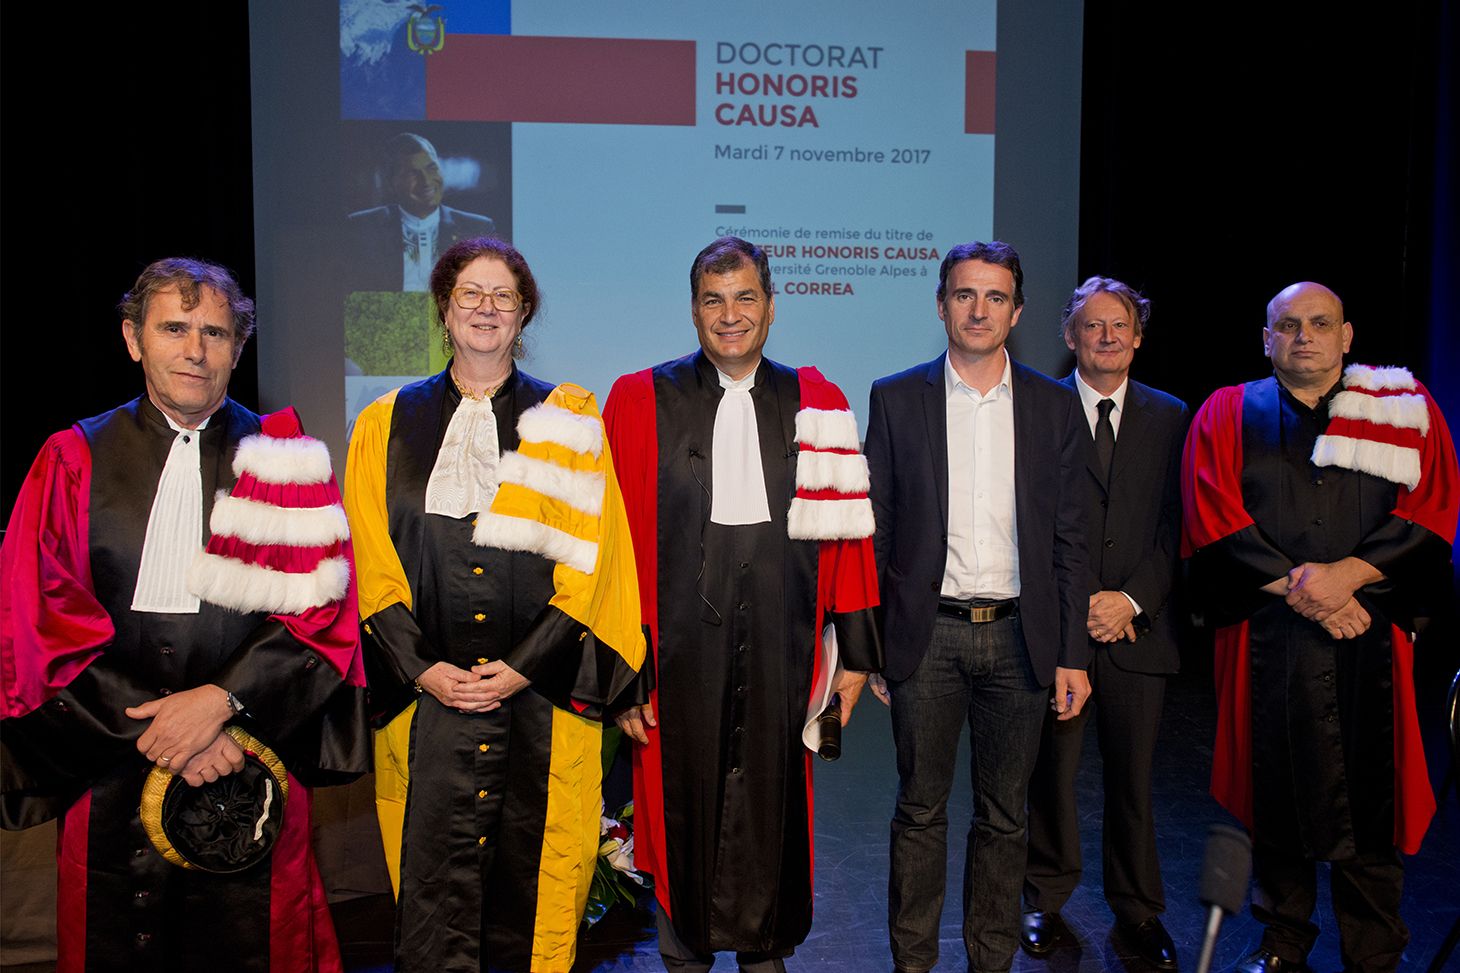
<point x="1138" y="305"/>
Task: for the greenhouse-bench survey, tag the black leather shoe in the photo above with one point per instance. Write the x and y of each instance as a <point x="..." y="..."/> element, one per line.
<point x="1039" y="931"/>
<point x="1153" y="943"/>
<point x="1264" y="962"/>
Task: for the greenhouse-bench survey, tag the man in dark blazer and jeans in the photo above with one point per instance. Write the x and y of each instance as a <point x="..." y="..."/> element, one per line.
<point x="976" y="466"/>
<point x="1133" y="439"/>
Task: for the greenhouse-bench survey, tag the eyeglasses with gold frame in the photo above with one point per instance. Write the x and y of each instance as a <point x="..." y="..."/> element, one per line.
<point x="471" y="298"/>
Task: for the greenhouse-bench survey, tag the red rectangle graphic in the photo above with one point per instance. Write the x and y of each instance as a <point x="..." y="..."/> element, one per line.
<point x="978" y="92"/>
<point x="595" y="80"/>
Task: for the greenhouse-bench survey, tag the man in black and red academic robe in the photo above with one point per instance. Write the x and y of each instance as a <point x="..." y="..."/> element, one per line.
<point x="747" y="502"/>
<point x="1320" y="508"/>
<point x="125" y="646"/>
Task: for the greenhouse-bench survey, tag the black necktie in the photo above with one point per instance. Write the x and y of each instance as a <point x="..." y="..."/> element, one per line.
<point x="1105" y="436"/>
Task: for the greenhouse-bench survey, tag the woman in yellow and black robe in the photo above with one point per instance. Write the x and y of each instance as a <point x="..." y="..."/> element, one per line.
<point x="495" y="639"/>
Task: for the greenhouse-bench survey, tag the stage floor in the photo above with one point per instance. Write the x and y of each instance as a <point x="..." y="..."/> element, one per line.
<point x="854" y="798"/>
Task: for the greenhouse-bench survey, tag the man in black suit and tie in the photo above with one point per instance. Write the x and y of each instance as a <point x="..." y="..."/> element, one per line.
<point x="1132" y="473"/>
<point x="976" y="473"/>
<point x="394" y="248"/>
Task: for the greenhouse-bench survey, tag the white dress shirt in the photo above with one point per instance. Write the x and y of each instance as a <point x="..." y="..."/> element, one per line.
<point x="418" y="248"/>
<point x="1090" y="399"/>
<point x="983" y="540"/>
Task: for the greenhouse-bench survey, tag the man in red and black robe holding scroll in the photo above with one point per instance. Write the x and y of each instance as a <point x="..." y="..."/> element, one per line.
<point x="747" y="501"/>
<point x="124" y="645"/>
<point x="1320" y="509"/>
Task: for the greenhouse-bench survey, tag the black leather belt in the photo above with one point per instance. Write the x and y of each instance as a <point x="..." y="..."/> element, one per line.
<point x="978" y="613"/>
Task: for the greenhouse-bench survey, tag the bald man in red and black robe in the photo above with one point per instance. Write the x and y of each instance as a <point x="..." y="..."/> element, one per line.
<point x="1320" y="510"/>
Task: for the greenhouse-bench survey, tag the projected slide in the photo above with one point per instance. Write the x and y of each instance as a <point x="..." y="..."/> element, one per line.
<point x="609" y="143"/>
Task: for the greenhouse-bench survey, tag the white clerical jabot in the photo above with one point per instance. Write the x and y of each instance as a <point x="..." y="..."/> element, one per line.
<point x="464" y="479"/>
<point x="174" y="529"/>
<point x="737" y="486"/>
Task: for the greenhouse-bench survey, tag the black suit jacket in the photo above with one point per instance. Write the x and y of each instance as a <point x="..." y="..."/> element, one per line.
<point x="1135" y="520"/>
<point x="373" y="244"/>
<point x="907" y="450"/>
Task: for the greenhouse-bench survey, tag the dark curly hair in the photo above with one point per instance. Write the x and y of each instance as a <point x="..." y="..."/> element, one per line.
<point x="455" y="260"/>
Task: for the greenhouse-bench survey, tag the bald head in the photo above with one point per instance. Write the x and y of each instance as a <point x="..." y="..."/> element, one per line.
<point x="1305" y="288"/>
<point x="1306" y="337"/>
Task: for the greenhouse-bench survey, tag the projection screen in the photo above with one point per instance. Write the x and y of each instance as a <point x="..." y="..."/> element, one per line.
<point x="856" y="141"/>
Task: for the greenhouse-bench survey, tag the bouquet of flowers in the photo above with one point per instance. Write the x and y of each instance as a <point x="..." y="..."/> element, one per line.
<point x="614" y="876"/>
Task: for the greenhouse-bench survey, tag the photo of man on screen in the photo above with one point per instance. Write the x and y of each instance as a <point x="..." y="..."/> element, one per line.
<point x="394" y="247"/>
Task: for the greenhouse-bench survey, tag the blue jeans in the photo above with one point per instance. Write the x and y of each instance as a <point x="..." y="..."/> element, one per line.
<point x="980" y="671"/>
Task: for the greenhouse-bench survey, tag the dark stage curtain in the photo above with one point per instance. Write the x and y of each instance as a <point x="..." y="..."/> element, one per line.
<point x="1232" y="155"/>
<point x="128" y="138"/>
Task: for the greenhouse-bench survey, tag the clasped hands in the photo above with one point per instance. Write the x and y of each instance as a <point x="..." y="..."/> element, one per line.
<point x="1112" y="617"/>
<point x="1324" y="593"/>
<point x="186" y="735"/>
<point x="480" y="689"/>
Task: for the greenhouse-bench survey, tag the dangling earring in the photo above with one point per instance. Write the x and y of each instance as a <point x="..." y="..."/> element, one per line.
<point x="446" y="342"/>
<point x="517" y="348"/>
